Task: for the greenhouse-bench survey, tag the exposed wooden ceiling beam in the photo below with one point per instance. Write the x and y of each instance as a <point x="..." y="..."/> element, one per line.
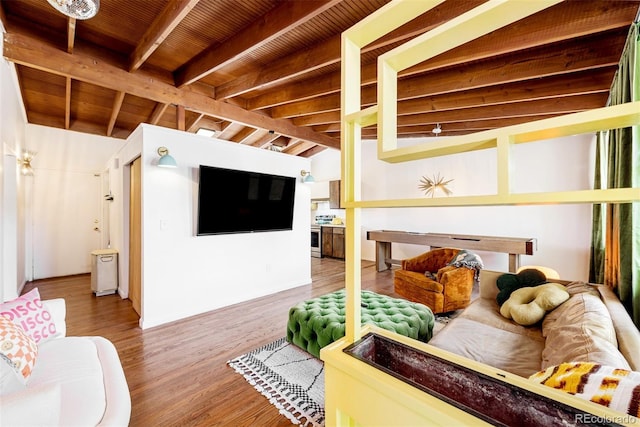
<point x="162" y="26"/>
<point x="157" y="113"/>
<point x="25" y="50"/>
<point x="180" y="118"/>
<point x="539" y="30"/>
<point x="67" y="103"/>
<point x="71" y="37"/>
<point x="71" y="34"/>
<point x="556" y="106"/>
<point x="298" y="148"/>
<point x="526" y="66"/>
<point x="207" y="122"/>
<point x="281" y="141"/>
<point x="276" y="22"/>
<point x="192" y="123"/>
<point x="115" y="110"/>
<point x="243" y="134"/>
<point x="291" y="145"/>
<point x="460" y="127"/>
<point x="328" y="52"/>
<point x="3" y="18"/>
<point x="170" y="17"/>
<point x="312" y="151"/>
<point x="318" y="119"/>
<point x="265" y="140"/>
<point x="533" y="89"/>
<point x="228" y="129"/>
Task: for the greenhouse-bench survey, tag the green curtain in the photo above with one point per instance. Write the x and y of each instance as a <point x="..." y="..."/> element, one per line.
<point x="596" y="264"/>
<point x="615" y="248"/>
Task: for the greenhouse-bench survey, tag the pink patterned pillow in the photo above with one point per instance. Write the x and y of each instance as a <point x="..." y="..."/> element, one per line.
<point x="17" y="349"/>
<point x="29" y="313"/>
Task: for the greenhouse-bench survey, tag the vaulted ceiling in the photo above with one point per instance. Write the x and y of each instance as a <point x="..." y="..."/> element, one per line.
<point x="267" y="73"/>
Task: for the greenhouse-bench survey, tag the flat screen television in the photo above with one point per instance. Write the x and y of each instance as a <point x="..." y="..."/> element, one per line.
<point x="236" y="201"/>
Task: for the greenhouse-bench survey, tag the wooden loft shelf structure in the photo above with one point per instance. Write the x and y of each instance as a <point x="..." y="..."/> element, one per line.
<point x="359" y="394"/>
<point x="514" y="246"/>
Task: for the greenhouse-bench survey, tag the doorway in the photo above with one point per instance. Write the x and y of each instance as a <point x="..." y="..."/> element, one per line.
<point x="135" y="236"/>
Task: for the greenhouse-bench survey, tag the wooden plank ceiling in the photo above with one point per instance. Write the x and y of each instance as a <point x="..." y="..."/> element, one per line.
<point x="267" y="73"/>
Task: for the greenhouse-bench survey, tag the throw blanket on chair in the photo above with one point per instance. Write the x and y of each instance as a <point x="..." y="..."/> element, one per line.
<point x="618" y="389"/>
<point x="469" y="260"/>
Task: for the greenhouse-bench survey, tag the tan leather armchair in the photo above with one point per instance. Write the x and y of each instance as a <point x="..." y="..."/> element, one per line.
<point x="451" y="289"/>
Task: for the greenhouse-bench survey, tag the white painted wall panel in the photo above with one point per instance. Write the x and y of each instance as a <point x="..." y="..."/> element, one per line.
<point x="185" y="274"/>
<point x="562" y="232"/>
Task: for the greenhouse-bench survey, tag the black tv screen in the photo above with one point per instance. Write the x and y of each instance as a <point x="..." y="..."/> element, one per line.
<point x="235" y="201"/>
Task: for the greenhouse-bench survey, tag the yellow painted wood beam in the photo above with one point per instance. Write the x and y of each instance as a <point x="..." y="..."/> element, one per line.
<point x="615" y="195"/>
<point x="357" y="394"/>
<point x="387" y="19"/>
<point x="350" y="155"/>
<point x="475" y="23"/>
<point x="617" y="116"/>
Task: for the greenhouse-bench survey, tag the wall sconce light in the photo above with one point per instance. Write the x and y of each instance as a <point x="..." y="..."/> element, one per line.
<point x="24" y="160"/>
<point x="437" y="130"/>
<point x="166" y="160"/>
<point x="307" y="178"/>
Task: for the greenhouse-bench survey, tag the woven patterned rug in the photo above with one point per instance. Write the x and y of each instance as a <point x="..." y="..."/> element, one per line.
<point x="292" y="380"/>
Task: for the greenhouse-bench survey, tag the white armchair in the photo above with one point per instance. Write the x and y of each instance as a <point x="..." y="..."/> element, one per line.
<point x="75" y="381"/>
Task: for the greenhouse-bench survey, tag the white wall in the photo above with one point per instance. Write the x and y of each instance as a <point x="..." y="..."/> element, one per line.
<point x="184" y="274"/>
<point x="325" y="167"/>
<point x="12" y="121"/>
<point x="65" y="200"/>
<point x="562" y="232"/>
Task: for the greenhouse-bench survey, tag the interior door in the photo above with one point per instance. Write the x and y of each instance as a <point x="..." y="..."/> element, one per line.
<point x="64" y="237"/>
<point x="135" y="236"/>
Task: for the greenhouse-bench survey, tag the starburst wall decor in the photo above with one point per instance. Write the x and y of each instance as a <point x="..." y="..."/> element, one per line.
<point x="430" y="185"/>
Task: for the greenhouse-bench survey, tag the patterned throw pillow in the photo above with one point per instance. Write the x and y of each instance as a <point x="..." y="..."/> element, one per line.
<point x="17" y="349"/>
<point x="618" y="389"/>
<point x="29" y="313"/>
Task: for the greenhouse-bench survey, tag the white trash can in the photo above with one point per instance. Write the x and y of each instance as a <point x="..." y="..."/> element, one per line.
<point x="104" y="271"/>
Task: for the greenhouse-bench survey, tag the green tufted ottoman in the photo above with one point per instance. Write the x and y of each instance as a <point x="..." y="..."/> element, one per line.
<point x="320" y="321"/>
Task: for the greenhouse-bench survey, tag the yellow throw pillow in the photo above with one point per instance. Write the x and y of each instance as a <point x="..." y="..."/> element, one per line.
<point x="527" y="306"/>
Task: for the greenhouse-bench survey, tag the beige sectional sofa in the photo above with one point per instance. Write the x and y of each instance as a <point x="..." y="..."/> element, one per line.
<point x="591" y="326"/>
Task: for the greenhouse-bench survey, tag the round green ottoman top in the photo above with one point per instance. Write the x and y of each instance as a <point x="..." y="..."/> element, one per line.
<point x="320" y="321"/>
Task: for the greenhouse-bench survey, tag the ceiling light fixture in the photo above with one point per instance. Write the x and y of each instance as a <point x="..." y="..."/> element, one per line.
<point x="78" y="9"/>
<point x="206" y="132"/>
<point x="166" y="160"/>
<point x="437" y="130"/>
<point x="307" y="178"/>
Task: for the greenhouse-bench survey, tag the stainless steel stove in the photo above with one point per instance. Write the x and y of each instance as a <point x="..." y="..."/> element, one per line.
<point x="316" y="241"/>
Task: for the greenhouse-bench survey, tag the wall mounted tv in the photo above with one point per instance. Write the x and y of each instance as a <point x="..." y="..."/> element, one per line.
<point x="235" y="201"/>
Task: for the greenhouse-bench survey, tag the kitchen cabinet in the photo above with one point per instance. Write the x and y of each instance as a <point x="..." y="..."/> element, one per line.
<point x="320" y="190"/>
<point x="335" y="202"/>
<point x="333" y="242"/>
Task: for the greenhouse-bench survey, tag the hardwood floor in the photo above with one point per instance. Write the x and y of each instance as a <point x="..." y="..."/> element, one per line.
<point x="177" y="373"/>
